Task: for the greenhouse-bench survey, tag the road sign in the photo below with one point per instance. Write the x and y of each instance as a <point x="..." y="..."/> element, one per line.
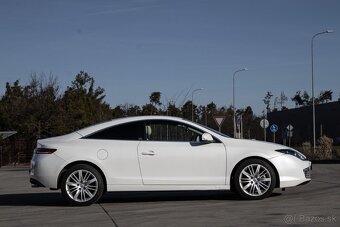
<point x="264" y="123"/>
<point x="290" y="127"/>
<point x="274" y="128"/>
<point x="219" y="121"/>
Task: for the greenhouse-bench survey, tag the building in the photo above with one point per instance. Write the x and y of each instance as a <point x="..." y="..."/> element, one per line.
<point x="327" y="118"/>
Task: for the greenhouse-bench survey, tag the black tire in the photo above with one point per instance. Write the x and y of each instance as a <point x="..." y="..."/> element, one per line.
<point x="82" y="185"/>
<point x="258" y="185"/>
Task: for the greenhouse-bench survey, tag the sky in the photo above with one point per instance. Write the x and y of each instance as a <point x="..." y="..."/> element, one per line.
<point x="135" y="47"/>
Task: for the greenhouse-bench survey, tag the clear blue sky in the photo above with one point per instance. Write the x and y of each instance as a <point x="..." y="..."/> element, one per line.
<point x="134" y="47"/>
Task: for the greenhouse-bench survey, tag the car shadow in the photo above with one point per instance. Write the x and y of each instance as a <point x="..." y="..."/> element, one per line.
<point x="163" y="196"/>
<point x="32" y="199"/>
<point x="55" y="199"/>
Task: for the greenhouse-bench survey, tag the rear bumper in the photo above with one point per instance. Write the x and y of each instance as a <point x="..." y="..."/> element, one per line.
<point x="45" y="169"/>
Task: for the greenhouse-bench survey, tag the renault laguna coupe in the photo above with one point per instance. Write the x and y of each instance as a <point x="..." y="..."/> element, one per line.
<point x="160" y="153"/>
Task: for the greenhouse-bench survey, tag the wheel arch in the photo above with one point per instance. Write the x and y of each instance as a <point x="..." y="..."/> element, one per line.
<point x="277" y="176"/>
<point x="63" y="171"/>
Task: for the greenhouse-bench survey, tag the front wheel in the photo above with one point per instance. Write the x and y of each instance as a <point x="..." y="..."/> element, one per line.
<point x="82" y="185"/>
<point x="254" y="179"/>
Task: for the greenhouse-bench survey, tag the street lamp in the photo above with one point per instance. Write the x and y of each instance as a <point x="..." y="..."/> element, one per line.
<point x="192" y="102"/>
<point x="240" y="70"/>
<point x="313" y="98"/>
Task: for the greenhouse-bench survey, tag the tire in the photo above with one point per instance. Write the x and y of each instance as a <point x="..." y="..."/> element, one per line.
<point x="254" y="179"/>
<point x="82" y="185"/>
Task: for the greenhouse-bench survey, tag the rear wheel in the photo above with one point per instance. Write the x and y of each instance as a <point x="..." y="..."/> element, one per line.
<point x="254" y="179"/>
<point x="82" y="185"/>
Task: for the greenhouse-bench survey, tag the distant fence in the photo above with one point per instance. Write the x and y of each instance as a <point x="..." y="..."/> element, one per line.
<point x="16" y="152"/>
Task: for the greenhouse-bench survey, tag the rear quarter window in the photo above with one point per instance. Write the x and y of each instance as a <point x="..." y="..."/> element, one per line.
<point x="127" y="131"/>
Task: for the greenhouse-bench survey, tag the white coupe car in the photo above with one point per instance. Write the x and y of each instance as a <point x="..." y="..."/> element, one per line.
<point x="160" y="153"/>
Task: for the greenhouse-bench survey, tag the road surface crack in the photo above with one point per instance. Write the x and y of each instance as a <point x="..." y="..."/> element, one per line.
<point x="107" y="213"/>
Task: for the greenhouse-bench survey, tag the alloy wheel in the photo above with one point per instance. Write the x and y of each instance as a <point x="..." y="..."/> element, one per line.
<point x="255" y="180"/>
<point x="81" y="185"/>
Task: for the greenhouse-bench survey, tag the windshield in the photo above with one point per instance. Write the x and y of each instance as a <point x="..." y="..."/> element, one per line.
<point x="213" y="130"/>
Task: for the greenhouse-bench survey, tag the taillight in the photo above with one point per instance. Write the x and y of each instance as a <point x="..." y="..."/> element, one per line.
<point x="41" y="150"/>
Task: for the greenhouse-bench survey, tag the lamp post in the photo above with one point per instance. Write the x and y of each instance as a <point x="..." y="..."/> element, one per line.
<point x="313" y="98"/>
<point x="240" y="70"/>
<point x="192" y="102"/>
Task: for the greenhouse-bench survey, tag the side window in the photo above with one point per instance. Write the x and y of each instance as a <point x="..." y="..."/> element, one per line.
<point x="129" y="131"/>
<point x="171" y="131"/>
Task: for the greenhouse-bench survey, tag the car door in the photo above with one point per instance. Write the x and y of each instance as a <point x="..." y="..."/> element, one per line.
<point x="173" y="154"/>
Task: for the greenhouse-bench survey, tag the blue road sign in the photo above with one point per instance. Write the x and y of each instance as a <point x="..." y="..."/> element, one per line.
<point x="274" y="128"/>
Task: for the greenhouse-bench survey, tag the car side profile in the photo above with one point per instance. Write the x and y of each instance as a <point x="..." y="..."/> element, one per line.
<point x="161" y="153"/>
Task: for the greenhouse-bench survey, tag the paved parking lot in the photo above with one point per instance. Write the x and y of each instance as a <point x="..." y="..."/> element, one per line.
<point x="314" y="204"/>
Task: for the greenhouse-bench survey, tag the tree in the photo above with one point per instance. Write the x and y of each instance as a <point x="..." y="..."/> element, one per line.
<point x="297" y="99"/>
<point x="12" y="106"/>
<point x="149" y="109"/>
<point x="133" y="110"/>
<point x="172" y="110"/>
<point x="155" y="98"/>
<point x="186" y="110"/>
<point x="282" y="100"/>
<point x="267" y="100"/>
<point x="276" y="101"/>
<point x="247" y="119"/>
<point x="306" y="100"/>
<point x="325" y="96"/>
<point x="83" y="104"/>
<point x="118" y="112"/>
<point x="44" y="107"/>
<point x="32" y="110"/>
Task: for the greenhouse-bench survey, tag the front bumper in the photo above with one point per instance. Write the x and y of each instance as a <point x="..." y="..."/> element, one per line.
<point x="292" y="171"/>
<point x="308" y="172"/>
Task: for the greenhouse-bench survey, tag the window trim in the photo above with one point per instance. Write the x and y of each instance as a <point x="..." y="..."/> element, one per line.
<point x="144" y="123"/>
<point x="216" y="140"/>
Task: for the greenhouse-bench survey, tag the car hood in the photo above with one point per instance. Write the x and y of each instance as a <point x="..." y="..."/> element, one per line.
<point x="254" y="146"/>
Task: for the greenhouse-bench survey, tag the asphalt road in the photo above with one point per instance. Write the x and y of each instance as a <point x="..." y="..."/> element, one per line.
<point x="314" y="204"/>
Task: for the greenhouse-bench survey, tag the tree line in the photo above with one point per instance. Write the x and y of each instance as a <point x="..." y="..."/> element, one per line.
<point x="300" y="99"/>
<point x="39" y="109"/>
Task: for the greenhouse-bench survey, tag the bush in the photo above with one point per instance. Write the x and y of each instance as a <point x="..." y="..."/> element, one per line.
<point x="307" y="150"/>
<point x="325" y="151"/>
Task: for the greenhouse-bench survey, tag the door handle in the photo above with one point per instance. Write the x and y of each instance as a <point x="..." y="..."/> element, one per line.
<point x="150" y="153"/>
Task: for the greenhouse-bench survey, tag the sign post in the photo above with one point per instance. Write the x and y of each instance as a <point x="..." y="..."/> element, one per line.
<point x="289" y="133"/>
<point x="273" y="129"/>
<point x="219" y="121"/>
<point x="264" y="123"/>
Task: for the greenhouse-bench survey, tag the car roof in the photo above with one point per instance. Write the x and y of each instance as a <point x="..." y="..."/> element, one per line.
<point x="117" y="121"/>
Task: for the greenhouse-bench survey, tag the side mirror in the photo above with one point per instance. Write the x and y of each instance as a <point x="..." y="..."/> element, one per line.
<point x="206" y="137"/>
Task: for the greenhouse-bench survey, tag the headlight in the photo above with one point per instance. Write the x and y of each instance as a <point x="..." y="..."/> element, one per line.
<point x="292" y="152"/>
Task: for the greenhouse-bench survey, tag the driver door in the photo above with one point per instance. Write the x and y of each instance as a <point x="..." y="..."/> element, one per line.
<point x="174" y="154"/>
